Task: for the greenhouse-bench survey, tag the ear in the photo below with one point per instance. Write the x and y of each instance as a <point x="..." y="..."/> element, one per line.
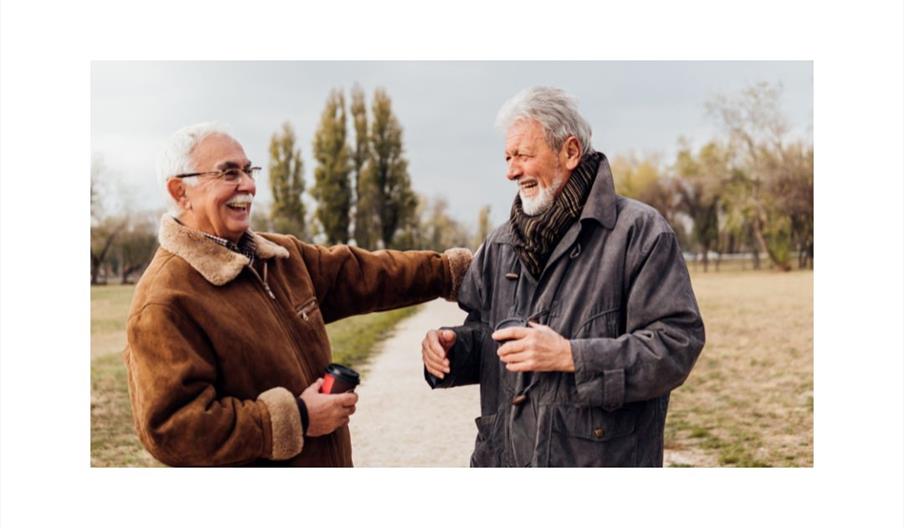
<point x="176" y="188"/>
<point x="571" y="152"/>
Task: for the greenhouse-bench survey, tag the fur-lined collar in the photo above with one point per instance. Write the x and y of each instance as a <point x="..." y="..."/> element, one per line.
<point x="216" y="263"/>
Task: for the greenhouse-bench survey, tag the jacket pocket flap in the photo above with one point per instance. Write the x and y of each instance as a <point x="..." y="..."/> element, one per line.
<point x="593" y="423"/>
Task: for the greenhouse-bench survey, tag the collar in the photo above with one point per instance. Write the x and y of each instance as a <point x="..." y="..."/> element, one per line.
<point x="214" y="262"/>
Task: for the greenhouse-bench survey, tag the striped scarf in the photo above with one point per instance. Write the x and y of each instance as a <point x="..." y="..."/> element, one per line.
<point x="536" y="236"/>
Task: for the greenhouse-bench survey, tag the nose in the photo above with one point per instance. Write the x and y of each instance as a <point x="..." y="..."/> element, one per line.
<point x="513" y="170"/>
<point x="247" y="184"/>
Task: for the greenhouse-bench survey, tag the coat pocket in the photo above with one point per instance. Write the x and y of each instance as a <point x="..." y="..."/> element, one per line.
<point x="591" y="437"/>
<point x="488" y="446"/>
<point x="600" y="323"/>
<point x="309" y="311"/>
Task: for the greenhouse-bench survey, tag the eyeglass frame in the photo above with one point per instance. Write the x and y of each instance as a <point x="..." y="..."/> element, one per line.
<point x="222" y="173"/>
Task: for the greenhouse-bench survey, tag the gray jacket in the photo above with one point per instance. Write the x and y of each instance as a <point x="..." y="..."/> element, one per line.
<point x="617" y="287"/>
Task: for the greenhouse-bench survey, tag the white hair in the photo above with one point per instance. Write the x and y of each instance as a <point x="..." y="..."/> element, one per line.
<point x="554" y="109"/>
<point x="175" y="156"/>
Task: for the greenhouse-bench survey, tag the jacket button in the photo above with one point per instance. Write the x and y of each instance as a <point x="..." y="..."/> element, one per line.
<point x="511" y="276"/>
<point x="598" y="432"/>
<point x="519" y="399"/>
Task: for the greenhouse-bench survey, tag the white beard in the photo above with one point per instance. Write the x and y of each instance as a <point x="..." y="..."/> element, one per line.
<point x="542" y="201"/>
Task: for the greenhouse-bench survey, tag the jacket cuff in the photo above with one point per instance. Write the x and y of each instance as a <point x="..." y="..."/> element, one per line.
<point x="285" y="423"/>
<point x="604" y="388"/>
<point x="459" y="261"/>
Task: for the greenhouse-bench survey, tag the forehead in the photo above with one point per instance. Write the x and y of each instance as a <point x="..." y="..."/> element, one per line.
<point x="217" y="149"/>
<point x="525" y="133"/>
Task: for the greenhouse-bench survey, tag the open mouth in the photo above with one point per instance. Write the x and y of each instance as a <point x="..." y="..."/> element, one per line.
<point x="242" y="208"/>
<point x="528" y="186"/>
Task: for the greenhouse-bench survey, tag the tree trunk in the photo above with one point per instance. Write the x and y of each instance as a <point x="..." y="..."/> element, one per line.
<point x="763" y="247"/>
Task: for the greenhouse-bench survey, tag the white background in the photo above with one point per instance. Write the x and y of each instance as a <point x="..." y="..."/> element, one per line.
<point x="45" y="473"/>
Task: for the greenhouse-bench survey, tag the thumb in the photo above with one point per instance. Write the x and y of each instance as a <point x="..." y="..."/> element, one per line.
<point x="447" y="337"/>
<point x="317" y="384"/>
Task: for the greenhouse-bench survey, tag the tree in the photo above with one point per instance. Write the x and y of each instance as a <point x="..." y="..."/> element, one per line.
<point x="394" y="201"/>
<point x="286" y="183"/>
<point x="756" y="130"/>
<point x="483" y="226"/>
<point x="332" y="189"/>
<point x="440" y="230"/>
<point x="700" y="181"/>
<point x="367" y="220"/>
<point x="136" y="244"/>
<point x="103" y="234"/>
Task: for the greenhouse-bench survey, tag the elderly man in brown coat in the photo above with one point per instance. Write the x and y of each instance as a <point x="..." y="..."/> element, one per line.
<point x="226" y="336"/>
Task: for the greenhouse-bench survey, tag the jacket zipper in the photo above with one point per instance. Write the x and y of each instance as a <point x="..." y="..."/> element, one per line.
<point x="333" y="440"/>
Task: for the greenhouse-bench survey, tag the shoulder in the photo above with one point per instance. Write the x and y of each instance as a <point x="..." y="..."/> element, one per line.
<point x="167" y="278"/>
<point x="641" y="222"/>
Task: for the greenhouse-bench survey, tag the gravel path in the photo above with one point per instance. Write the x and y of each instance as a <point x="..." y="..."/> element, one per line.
<point x="400" y="421"/>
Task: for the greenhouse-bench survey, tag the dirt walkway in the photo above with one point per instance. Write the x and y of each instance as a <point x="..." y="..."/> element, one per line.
<point x="400" y="422"/>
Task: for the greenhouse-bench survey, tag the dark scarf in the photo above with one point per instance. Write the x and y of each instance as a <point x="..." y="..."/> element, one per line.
<point x="536" y="236"/>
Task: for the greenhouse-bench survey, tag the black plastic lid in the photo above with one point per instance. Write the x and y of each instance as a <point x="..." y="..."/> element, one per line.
<point x="341" y="371"/>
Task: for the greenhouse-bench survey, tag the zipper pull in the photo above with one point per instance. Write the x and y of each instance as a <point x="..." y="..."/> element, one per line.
<point x="269" y="291"/>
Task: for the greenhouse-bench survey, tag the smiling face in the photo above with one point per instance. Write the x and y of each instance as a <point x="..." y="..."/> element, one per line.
<point x="539" y="171"/>
<point x="216" y="206"/>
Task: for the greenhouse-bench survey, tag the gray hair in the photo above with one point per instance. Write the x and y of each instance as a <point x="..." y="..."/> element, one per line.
<point x="175" y="156"/>
<point x="554" y="109"/>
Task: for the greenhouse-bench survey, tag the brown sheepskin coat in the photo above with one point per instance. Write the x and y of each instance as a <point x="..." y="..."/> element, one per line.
<point x="218" y="350"/>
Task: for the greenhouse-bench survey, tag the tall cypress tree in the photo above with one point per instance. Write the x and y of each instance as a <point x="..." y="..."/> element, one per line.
<point x="395" y="201"/>
<point x="286" y="183"/>
<point x="367" y="221"/>
<point x="332" y="188"/>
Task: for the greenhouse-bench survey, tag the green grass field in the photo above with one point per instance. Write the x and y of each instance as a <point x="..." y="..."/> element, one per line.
<point x="113" y="439"/>
<point x="747" y="403"/>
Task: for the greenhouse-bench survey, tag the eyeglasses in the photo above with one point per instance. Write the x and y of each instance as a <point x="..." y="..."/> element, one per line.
<point x="231" y="175"/>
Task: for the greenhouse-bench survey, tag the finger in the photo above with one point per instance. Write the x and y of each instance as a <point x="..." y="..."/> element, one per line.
<point x="514" y="332"/>
<point x="433" y="340"/>
<point x="538" y="326"/>
<point x="437" y="368"/>
<point x="520" y="366"/>
<point x="517" y="357"/>
<point x="511" y="347"/>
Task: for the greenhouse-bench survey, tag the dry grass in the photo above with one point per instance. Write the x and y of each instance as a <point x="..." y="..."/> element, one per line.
<point x="749" y="400"/>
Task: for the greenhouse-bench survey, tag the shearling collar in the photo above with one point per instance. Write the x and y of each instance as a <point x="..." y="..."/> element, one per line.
<point x="214" y="262"/>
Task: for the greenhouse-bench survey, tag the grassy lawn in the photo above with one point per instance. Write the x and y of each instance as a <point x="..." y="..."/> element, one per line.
<point x="113" y="439"/>
<point x="749" y="400"/>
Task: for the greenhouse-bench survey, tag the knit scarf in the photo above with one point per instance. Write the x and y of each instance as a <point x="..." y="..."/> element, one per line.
<point x="536" y="236"/>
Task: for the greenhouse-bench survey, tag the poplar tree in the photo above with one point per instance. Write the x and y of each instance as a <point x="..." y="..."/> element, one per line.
<point x="394" y="200"/>
<point x="286" y="183"/>
<point x="332" y="189"/>
<point x="367" y="221"/>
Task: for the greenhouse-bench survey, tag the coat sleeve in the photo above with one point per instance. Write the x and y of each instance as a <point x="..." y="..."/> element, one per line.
<point x="180" y="418"/>
<point x="664" y="334"/>
<point x="471" y="338"/>
<point x="350" y="280"/>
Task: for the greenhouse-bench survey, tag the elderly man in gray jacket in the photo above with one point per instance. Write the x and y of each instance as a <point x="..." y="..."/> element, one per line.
<point x="581" y="317"/>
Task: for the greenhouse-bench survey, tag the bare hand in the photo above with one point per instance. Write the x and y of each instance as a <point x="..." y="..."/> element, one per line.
<point x="327" y="412"/>
<point x="435" y="351"/>
<point x="535" y="349"/>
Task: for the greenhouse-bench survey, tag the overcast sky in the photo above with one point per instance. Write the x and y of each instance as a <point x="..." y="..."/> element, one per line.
<point x="447" y="110"/>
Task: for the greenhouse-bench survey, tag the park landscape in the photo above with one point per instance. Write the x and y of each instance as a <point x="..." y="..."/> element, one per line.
<point x="741" y="205"/>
